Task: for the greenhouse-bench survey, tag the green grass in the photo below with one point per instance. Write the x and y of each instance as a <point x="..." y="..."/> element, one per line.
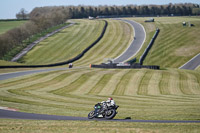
<point x="141" y="94"/>
<point x="8" y="25"/>
<point x="66" y="44"/>
<point x="32" y="126"/>
<point x="71" y="41"/>
<point x="175" y="44"/>
<point x="198" y="68"/>
<point x="116" y="39"/>
<point x="13" y="52"/>
<point x="5" y="63"/>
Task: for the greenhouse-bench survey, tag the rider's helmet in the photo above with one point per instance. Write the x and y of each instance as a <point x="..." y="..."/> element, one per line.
<point x="110" y="98"/>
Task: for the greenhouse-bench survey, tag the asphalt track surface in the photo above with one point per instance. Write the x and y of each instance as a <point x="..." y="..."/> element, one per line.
<point x="22" y="73"/>
<point x="192" y="64"/>
<point x="136" y="44"/>
<point x="6" y="114"/>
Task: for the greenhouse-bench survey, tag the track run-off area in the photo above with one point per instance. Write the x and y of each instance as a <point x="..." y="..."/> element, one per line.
<point x="164" y="96"/>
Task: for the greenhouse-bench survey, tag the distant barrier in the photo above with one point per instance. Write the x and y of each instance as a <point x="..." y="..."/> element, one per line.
<point x="149" y="46"/>
<point x="134" y="66"/>
<point x="65" y="62"/>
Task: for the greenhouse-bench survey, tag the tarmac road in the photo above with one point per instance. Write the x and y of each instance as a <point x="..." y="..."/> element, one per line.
<point x="136" y="44"/>
<point x="6" y="114"/>
<point x="192" y="64"/>
<point x="22" y="73"/>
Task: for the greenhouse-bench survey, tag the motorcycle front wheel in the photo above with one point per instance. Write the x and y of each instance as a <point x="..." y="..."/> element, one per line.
<point x="110" y="114"/>
<point x="91" y="115"/>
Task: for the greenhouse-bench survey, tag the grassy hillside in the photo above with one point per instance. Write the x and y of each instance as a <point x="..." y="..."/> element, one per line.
<point x="7" y="25"/>
<point x="141" y="94"/>
<point x="116" y="39"/>
<point x="175" y="44"/>
<point x="65" y="44"/>
<point x="73" y="40"/>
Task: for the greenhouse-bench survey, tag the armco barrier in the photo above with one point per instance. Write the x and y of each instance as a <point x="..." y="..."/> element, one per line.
<point x="65" y="62"/>
<point x="149" y="46"/>
<point x="135" y="66"/>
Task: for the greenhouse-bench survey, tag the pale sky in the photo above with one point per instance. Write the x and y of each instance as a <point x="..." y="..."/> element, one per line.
<point x="9" y="8"/>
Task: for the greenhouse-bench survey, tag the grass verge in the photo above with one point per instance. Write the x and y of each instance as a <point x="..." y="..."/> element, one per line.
<point x="32" y="126"/>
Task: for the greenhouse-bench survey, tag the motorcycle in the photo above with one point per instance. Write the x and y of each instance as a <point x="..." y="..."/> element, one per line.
<point x="70" y="65"/>
<point x="101" y="110"/>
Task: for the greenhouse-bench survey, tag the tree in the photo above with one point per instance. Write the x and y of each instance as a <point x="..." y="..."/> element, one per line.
<point x="196" y="11"/>
<point x="23" y="14"/>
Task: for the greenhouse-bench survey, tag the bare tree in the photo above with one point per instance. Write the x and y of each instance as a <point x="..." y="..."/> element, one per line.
<point x="23" y="14"/>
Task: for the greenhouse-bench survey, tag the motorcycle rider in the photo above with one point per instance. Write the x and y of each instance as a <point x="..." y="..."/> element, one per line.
<point x="110" y="102"/>
<point x="105" y="109"/>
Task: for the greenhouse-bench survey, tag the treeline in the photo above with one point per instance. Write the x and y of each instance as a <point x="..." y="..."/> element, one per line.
<point x="131" y="10"/>
<point x="42" y="18"/>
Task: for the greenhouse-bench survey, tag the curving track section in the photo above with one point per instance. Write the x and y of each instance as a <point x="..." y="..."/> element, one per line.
<point x="136" y="44"/>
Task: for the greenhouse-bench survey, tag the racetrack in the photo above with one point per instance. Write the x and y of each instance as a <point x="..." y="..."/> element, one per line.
<point x="21" y="115"/>
<point x="136" y="44"/>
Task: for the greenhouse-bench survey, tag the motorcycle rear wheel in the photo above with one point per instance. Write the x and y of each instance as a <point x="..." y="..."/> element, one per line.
<point x="91" y="115"/>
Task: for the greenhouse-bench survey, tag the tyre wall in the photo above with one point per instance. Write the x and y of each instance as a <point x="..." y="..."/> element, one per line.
<point x="142" y="58"/>
<point x="138" y="66"/>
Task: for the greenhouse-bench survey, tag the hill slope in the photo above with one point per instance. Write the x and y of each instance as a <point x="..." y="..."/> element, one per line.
<point x="66" y="44"/>
<point x="117" y="38"/>
<point x="175" y="44"/>
<point x="141" y="94"/>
